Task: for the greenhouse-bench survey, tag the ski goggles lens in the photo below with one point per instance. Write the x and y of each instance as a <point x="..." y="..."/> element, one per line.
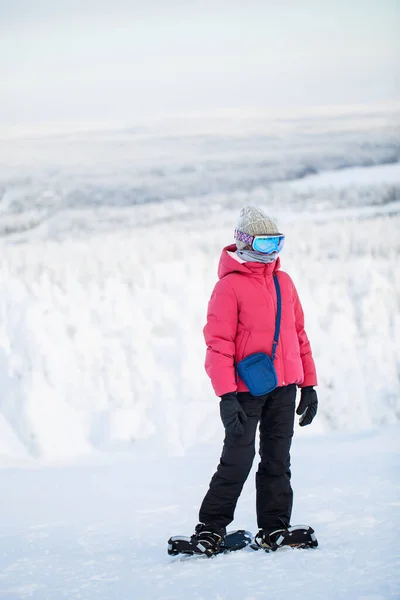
<point x="266" y="244"/>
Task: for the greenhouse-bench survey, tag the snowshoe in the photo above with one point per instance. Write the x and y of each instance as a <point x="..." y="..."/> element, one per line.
<point x="206" y="542"/>
<point x="297" y="536"/>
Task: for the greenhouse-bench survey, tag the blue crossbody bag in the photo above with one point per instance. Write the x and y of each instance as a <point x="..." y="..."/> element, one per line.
<point x="257" y="370"/>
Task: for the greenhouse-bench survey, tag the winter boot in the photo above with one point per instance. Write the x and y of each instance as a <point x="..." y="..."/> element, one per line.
<point x="208" y="538"/>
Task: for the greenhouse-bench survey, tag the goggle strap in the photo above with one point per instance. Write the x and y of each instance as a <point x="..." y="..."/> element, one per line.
<point x="243" y="237"/>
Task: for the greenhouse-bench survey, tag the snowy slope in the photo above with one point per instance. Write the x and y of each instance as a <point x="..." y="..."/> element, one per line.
<point x="97" y="531"/>
<point x="182" y="166"/>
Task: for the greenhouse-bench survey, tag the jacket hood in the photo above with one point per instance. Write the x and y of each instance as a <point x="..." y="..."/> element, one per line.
<point x="230" y="262"/>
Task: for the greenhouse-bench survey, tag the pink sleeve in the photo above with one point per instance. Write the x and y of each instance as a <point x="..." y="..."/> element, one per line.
<point x="219" y="334"/>
<point x="310" y="374"/>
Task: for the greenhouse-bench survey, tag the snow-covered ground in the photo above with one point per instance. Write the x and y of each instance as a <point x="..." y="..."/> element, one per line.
<point x="98" y="530"/>
<point x="57" y="182"/>
<point x="109" y="429"/>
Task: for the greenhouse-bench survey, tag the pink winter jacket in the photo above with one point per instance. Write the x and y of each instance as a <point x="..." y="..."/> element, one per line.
<point x="241" y="320"/>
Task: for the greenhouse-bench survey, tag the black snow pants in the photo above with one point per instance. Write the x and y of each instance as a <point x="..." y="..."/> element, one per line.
<point x="275" y="413"/>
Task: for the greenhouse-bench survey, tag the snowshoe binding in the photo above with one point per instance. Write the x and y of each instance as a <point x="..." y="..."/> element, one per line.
<point x="297" y="536"/>
<point x="209" y="541"/>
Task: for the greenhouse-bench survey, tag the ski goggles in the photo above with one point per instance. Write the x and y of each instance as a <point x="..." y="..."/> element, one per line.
<point x="265" y="244"/>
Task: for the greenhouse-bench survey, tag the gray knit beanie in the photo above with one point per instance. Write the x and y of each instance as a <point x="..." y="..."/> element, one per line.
<point x="253" y="221"/>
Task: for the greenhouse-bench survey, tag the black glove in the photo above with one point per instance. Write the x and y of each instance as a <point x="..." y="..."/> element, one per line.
<point x="308" y="405"/>
<point x="232" y="414"/>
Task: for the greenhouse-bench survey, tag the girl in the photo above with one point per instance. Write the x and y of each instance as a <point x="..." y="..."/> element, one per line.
<point x="241" y="320"/>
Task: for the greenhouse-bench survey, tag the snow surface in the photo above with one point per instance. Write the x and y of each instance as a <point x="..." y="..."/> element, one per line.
<point x="98" y="530"/>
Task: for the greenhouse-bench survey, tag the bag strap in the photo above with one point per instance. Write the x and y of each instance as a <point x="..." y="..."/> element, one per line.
<point x="278" y="316"/>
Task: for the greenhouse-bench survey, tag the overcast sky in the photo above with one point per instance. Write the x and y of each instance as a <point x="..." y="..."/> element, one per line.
<point x="71" y="61"/>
